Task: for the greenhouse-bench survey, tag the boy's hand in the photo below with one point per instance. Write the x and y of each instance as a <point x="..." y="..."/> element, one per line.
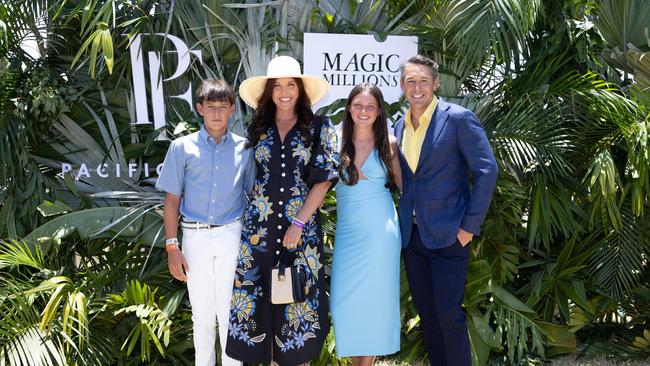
<point x="177" y="265"/>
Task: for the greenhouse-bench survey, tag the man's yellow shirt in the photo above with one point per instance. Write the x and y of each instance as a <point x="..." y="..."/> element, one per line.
<point x="412" y="139"/>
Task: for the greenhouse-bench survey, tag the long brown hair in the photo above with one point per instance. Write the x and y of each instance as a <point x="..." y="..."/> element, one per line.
<point x="380" y="131"/>
<point x="264" y="115"/>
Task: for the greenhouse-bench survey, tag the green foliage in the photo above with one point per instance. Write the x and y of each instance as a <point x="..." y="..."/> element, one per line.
<point x="560" y="85"/>
<point x="133" y="224"/>
<point x="151" y="324"/>
<point x="22" y="343"/>
<point x="83" y="309"/>
<point x="29" y="104"/>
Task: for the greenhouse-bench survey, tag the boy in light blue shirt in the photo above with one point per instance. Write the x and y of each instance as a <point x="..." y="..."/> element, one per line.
<point x="206" y="176"/>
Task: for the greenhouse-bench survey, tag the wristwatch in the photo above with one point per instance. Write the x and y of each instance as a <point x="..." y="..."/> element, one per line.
<point x="171" y="244"/>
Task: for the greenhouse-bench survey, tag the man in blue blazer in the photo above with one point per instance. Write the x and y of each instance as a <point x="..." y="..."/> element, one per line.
<point x="442" y="147"/>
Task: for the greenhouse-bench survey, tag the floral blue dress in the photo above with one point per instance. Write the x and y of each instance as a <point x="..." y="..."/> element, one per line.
<point x="260" y="331"/>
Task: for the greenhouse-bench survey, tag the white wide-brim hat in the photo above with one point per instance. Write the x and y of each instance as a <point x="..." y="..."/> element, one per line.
<point x="282" y="67"/>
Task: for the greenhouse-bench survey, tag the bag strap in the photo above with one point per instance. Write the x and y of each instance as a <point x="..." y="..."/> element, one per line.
<point x="301" y="252"/>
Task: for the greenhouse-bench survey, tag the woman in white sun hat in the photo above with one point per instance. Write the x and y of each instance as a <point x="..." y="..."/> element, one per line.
<point x="296" y="154"/>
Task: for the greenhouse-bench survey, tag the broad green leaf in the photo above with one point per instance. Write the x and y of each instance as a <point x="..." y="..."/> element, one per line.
<point x="129" y="224"/>
<point x="558" y="340"/>
<point x="57" y="207"/>
<point x="480" y="350"/>
<point x="479" y="278"/>
<point x="510" y="300"/>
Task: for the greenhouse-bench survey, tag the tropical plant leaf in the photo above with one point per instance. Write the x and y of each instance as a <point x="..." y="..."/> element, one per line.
<point x="21" y="342"/>
<point x="623" y="22"/>
<point x="618" y="264"/>
<point x="129" y="224"/>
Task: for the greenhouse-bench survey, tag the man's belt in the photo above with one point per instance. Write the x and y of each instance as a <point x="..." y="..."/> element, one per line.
<point x="198" y="225"/>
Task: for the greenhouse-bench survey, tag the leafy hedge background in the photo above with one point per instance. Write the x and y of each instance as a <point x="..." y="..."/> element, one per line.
<point x="560" y="85"/>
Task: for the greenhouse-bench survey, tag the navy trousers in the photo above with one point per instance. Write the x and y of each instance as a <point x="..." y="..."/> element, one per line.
<point x="437" y="280"/>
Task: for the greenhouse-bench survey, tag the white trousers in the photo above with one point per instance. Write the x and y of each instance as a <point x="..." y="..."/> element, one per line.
<point x="211" y="255"/>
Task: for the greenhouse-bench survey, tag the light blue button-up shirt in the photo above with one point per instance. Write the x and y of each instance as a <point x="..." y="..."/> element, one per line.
<point x="211" y="179"/>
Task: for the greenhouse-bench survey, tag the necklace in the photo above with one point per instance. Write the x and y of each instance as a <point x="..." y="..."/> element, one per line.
<point x="286" y="121"/>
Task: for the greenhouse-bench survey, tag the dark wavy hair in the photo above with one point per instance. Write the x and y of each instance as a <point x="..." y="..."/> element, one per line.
<point x="214" y="90"/>
<point x="264" y="115"/>
<point x="380" y="130"/>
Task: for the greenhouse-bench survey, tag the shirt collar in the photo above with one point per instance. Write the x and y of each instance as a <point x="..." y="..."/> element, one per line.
<point x="425" y="118"/>
<point x="205" y="137"/>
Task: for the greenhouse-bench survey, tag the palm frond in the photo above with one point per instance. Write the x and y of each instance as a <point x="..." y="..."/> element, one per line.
<point x="370" y="17"/>
<point x="504" y="228"/>
<point x="465" y="35"/>
<point x="528" y="136"/>
<point x="603" y="183"/>
<point x="24" y="29"/>
<point x="552" y="211"/>
<point x="16" y="253"/>
<point x="619" y="264"/>
<point x="638" y="165"/>
<point x="152" y="325"/>
<point x="623" y="22"/>
<point x="602" y="116"/>
<point x="21" y="342"/>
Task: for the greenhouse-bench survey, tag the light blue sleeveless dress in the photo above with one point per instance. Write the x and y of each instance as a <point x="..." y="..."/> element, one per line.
<point x="365" y="279"/>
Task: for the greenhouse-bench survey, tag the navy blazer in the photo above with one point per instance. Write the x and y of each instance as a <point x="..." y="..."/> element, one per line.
<point x="455" y="147"/>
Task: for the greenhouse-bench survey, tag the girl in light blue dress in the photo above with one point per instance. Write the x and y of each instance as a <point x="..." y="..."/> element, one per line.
<point x="366" y="266"/>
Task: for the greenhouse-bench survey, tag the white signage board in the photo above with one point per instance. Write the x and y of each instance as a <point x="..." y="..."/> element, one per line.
<point x="346" y="60"/>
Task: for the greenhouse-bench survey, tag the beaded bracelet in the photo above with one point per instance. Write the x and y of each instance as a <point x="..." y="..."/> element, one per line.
<point x="298" y="223"/>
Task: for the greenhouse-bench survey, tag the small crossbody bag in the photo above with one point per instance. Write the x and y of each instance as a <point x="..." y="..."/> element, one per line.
<point x="289" y="283"/>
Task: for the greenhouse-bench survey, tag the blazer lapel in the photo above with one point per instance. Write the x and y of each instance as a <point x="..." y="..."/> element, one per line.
<point x="438" y="122"/>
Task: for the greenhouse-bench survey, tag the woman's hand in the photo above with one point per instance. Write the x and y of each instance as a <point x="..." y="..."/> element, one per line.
<point x="314" y="199"/>
<point x="292" y="237"/>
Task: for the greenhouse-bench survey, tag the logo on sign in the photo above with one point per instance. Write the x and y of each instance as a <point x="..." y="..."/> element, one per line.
<point x="379" y="69"/>
<point x="155" y="80"/>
